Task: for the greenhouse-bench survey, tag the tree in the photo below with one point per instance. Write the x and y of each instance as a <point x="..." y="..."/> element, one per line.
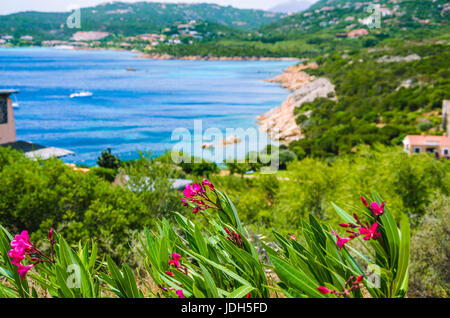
<point x="108" y="160"/>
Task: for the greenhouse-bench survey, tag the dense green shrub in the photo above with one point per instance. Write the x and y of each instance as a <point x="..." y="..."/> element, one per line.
<point x="104" y="173"/>
<point x="38" y="195"/>
<point x="409" y="183"/>
<point x="430" y="252"/>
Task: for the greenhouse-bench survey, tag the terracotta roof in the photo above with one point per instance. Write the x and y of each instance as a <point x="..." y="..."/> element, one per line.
<point x="421" y="140"/>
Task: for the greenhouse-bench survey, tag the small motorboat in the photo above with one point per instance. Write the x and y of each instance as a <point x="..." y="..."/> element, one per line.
<point x="15" y="105"/>
<point x="81" y="94"/>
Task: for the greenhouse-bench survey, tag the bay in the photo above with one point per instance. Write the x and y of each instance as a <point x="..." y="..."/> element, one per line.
<point x="131" y="110"/>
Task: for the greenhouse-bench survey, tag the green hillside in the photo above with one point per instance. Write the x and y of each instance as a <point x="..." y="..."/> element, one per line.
<point x="320" y="30"/>
<point x="131" y="18"/>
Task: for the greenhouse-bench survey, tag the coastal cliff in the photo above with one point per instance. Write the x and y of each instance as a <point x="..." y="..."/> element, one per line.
<point x="280" y="122"/>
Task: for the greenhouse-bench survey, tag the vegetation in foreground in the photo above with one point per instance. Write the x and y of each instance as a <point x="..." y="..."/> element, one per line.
<point x="219" y="261"/>
<point x="87" y="208"/>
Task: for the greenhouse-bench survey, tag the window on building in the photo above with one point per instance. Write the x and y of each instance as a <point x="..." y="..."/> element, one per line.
<point x="417" y="149"/>
<point x="446" y="152"/>
<point x="3" y="112"/>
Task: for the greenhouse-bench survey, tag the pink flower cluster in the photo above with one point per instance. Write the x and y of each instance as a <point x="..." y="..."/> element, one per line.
<point x="376" y="209"/>
<point x="175" y="261"/>
<point x="352" y="284"/>
<point x="367" y="231"/>
<point x="197" y="197"/>
<point x="234" y="237"/>
<point x="23" y="248"/>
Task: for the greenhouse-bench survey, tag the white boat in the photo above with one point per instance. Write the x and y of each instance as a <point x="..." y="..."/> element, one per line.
<point x="81" y="94"/>
<point x="15" y="105"/>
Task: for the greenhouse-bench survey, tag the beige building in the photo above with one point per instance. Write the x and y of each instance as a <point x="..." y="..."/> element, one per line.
<point x="431" y="144"/>
<point x="7" y="126"/>
<point x="8" y="133"/>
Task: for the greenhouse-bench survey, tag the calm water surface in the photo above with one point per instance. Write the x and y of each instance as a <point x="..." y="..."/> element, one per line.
<point x="130" y="111"/>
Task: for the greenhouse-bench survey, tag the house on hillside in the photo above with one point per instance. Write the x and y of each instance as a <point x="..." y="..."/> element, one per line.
<point x="357" y="33"/>
<point x="8" y="133"/>
<point x="440" y="145"/>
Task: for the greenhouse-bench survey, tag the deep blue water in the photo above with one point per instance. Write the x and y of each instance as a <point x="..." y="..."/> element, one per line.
<point x="130" y="111"/>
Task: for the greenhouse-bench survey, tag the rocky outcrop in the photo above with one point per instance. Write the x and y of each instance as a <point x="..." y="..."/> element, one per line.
<point x="293" y="77"/>
<point x="397" y="59"/>
<point x="280" y="122"/>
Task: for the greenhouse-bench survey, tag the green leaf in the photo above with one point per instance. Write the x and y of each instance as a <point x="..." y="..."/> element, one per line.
<point x="241" y="292"/>
<point x="291" y="276"/>
<point x="211" y="288"/>
<point x="347" y="218"/>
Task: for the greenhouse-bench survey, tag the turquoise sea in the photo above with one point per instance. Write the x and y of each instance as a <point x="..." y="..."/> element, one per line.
<point x="130" y="110"/>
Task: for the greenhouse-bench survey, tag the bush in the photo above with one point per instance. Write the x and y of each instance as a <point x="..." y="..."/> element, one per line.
<point x="199" y="167"/>
<point x="430" y="252"/>
<point x="38" y="195"/>
<point x="216" y="261"/>
<point x="104" y="173"/>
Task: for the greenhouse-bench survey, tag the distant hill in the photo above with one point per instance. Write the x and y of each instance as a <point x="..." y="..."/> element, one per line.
<point x="401" y="16"/>
<point x="132" y="18"/>
<point x="294" y="6"/>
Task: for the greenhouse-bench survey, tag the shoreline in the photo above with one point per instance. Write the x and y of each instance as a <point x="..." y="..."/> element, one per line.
<point x="164" y="56"/>
<point x="280" y="122"/>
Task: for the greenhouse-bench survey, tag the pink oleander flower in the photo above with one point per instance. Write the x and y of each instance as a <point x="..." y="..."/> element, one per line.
<point x="377" y="209"/>
<point x="206" y="182"/>
<point x="197" y="209"/>
<point x="196" y="196"/>
<point x="198" y="188"/>
<point x="50" y="235"/>
<point x="23" y="270"/>
<point x="189" y="191"/>
<point x="293" y="237"/>
<point x="323" y="290"/>
<point x="22" y="241"/>
<point x="359" y="279"/>
<point x="364" y="201"/>
<point x="180" y="294"/>
<point x="370" y="232"/>
<point x="176" y="260"/>
<point x="184" y="202"/>
<point x="341" y="241"/>
<point x="17" y="256"/>
<point x="169" y="273"/>
<point x="23" y="248"/>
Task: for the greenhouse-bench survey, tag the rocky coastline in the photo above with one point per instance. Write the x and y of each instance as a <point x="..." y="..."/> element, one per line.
<point x="158" y="56"/>
<point x="280" y="122"/>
